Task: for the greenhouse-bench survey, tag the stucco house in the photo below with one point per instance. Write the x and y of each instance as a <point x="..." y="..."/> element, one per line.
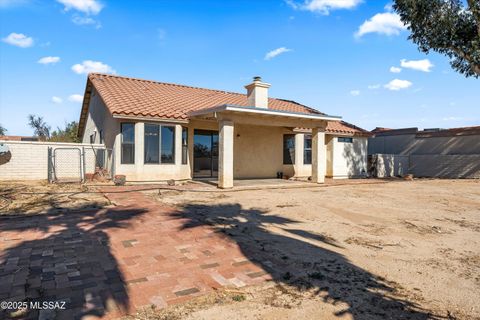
<point x="160" y="131"/>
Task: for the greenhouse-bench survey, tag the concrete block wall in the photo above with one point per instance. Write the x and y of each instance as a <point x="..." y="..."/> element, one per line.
<point x="446" y="166"/>
<point x="29" y="160"/>
<point x="391" y="165"/>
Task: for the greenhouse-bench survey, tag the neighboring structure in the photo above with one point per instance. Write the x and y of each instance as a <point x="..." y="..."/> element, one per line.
<point x="18" y="138"/>
<point x="160" y="131"/>
<point x="441" y="153"/>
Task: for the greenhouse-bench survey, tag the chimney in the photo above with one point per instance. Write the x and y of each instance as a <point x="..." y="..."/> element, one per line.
<point x="257" y="93"/>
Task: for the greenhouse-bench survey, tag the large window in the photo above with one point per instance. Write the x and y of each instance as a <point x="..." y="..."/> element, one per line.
<point x="184" y="145"/>
<point x="128" y="143"/>
<point x="307" y="149"/>
<point x="159" y="144"/>
<point x="288" y="149"/>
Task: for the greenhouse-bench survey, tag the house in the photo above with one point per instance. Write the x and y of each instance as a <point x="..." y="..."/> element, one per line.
<point x="440" y="153"/>
<point x="160" y="131"/>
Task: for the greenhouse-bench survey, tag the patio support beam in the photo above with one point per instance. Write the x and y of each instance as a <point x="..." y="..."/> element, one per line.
<point x="319" y="161"/>
<point x="225" y="154"/>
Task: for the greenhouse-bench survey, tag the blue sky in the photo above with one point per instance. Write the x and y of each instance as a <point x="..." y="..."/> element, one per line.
<point x="335" y="56"/>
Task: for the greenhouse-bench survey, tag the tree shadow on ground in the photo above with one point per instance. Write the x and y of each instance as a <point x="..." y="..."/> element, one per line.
<point x="66" y="258"/>
<point x="301" y="259"/>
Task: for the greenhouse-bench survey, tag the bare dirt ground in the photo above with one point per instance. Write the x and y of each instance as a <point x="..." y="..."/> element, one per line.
<point x="34" y="197"/>
<point x="397" y="250"/>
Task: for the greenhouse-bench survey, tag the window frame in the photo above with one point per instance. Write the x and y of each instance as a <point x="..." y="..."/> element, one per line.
<point x="305" y="149"/>
<point x="159" y="130"/>
<point x="122" y="143"/>
<point x="291" y="155"/>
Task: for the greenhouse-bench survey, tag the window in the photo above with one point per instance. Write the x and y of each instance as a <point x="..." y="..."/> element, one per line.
<point x="152" y="143"/>
<point x="345" y="139"/>
<point x="288" y="149"/>
<point x="128" y="143"/>
<point x="101" y="136"/>
<point x="307" y="149"/>
<point x="184" y="145"/>
<point x="159" y="144"/>
<point x="92" y="138"/>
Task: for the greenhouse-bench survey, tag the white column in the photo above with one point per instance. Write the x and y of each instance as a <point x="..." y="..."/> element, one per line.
<point x="225" y="154"/>
<point x="319" y="161"/>
<point x="139" y="146"/>
<point x="178" y="145"/>
<point x="299" y="140"/>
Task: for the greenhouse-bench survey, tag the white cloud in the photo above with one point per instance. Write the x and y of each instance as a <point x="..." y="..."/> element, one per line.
<point x="397" y="84"/>
<point x="75" y="98"/>
<point x="324" y="6"/>
<point x="89" y="66"/>
<point x="49" y="60"/>
<point x="355" y="93"/>
<point x="79" y="20"/>
<point x="272" y="54"/>
<point x="395" y="69"/>
<point x="383" y="23"/>
<point x="19" y="40"/>
<point x="421" y="65"/>
<point x="374" y="86"/>
<point x="57" y="100"/>
<point x="85" y="6"/>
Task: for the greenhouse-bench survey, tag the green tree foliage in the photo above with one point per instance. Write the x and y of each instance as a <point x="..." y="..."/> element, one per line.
<point x="449" y="27"/>
<point x="40" y="127"/>
<point x="3" y="131"/>
<point x="69" y="134"/>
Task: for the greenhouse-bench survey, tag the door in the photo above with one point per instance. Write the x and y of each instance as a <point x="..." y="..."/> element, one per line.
<point x="205" y="154"/>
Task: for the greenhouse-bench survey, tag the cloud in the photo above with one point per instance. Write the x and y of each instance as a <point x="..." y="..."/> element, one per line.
<point x="324" y="6"/>
<point x="355" y="93"/>
<point x="75" y="98"/>
<point x="48" y="60"/>
<point x="57" y="100"/>
<point x="86" y="6"/>
<point x="374" y="86"/>
<point x="272" y="54"/>
<point x="395" y="69"/>
<point x="421" y="65"/>
<point x="19" y="40"/>
<point x="387" y="23"/>
<point x="397" y="84"/>
<point x="79" y="20"/>
<point x="89" y="66"/>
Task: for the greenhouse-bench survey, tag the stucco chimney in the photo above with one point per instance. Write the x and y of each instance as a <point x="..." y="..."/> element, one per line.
<point x="257" y="93"/>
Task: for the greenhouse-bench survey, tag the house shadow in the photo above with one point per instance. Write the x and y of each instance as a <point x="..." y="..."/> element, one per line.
<point x="66" y="259"/>
<point x="302" y="259"/>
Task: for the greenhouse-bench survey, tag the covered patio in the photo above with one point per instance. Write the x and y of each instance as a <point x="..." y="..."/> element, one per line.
<point x="243" y="149"/>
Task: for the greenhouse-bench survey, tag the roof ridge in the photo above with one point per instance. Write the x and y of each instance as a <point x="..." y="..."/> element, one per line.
<point x="161" y="82"/>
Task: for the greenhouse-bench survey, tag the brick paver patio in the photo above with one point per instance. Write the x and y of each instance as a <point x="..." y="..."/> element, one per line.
<point x="108" y="262"/>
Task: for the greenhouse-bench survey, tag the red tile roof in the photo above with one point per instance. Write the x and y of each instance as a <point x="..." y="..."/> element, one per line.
<point x="137" y="97"/>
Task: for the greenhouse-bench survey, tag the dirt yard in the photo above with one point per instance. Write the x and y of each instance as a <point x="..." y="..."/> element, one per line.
<point x="396" y="250"/>
<point x="34" y="197"/>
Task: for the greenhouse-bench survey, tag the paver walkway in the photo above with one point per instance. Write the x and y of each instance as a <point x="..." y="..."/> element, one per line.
<point x="111" y="261"/>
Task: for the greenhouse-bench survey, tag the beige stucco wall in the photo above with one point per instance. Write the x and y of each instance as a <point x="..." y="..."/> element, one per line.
<point x="347" y="160"/>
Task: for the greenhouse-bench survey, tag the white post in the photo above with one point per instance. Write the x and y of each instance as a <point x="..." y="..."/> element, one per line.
<point x="318" y="155"/>
<point x="299" y="140"/>
<point x="225" y="155"/>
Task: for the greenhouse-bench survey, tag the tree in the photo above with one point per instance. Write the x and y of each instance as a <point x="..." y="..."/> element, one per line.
<point x="2" y="130"/>
<point x="40" y="127"/>
<point x="445" y="26"/>
<point x="69" y="134"/>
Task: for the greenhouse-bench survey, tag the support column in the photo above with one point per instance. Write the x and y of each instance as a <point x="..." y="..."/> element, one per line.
<point x="298" y="165"/>
<point x="225" y="154"/>
<point x="319" y="161"/>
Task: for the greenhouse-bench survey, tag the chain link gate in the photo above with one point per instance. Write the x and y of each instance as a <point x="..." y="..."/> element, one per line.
<point x="70" y="164"/>
<point x="66" y="165"/>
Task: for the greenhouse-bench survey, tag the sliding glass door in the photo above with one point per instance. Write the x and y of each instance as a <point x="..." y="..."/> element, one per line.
<point x="205" y="154"/>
